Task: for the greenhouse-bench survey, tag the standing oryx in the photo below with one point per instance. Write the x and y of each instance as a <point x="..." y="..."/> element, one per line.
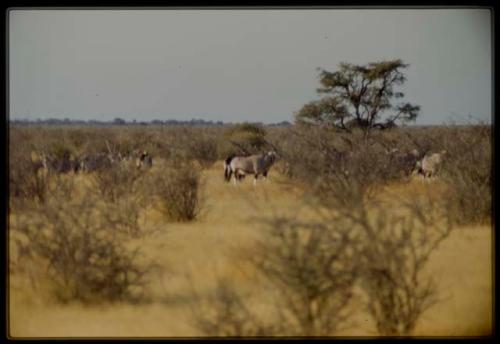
<point x="430" y="163"/>
<point x="253" y="164"/>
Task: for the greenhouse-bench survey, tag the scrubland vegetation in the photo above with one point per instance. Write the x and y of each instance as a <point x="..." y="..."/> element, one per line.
<point x="344" y="239"/>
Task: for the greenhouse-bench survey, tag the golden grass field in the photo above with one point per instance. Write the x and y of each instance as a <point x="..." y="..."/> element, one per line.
<point x="195" y="253"/>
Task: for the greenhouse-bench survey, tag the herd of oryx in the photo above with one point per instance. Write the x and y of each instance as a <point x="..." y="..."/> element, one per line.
<point x="425" y="164"/>
<point x="236" y="166"/>
<point x="92" y="162"/>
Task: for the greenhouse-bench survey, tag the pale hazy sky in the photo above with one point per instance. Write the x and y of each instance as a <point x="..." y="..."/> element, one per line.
<point x="238" y="65"/>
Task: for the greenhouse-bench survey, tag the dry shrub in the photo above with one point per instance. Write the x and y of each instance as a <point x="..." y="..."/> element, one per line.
<point x="27" y="180"/>
<point x="467" y="168"/>
<point x="392" y="271"/>
<point x="244" y="138"/>
<point x="354" y="164"/>
<point x="312" y="267"/>
<point x="117" y="181"/>
<point x="143" y="138"/>
<point x="178" y="189"/>
<point x="361" y="171"/>
<point x="78" y="137"/>
<point x="61" y="148"/>
<point x="392" y="248"/>
<point x="307" y="152"/>
<point x="125" y="215"/>
<point x="313" y="153"/>
<point x="394" y="245"/>
<point x="125" y="192"/>
<point x="97" y="140"/>
<point x="85" y="258"/>
<point x="350" y="166"/>
<point x="225" y="313"/>
<point x="190" y="144"/>
<point x="203" y="148"/>
<point x="428" y="139"/>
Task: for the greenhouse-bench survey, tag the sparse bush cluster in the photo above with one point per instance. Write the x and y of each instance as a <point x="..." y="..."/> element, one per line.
<point x="26" y="180"/>
<point x="193" y="144"/>
<point x="361" y="242"/>
<point x="116" y="183"/>
<point x="319" y="269"/>
<point x="393" y="255"/>
<point x="81" y="228"/>
<point x="85" y="257"/>
<point x="178" y="189"/>
<point x="312" y="266"/>
<point x="347" y="165"/>
<point x="243" y="139"/>
<point x="316" y="268"/>
<point x="468" y="169"/>
<point x="351" y="165"/>
<point x="225" y="313"/>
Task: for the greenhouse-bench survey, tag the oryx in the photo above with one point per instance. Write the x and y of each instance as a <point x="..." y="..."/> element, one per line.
<point x="257" y="164"/>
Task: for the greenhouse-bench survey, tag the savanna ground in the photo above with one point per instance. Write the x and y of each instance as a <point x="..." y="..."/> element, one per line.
<point x="206" y="272"/>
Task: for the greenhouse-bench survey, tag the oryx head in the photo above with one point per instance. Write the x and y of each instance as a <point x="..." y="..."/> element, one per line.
<point x="271" y="155"/>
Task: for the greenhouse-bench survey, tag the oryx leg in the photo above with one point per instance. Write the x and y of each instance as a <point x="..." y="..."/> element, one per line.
<point x="235" y="177"/>
<point x="427" y="176"/>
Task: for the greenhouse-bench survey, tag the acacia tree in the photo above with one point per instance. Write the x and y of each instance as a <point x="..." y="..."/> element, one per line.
<point x="360" y="96"/>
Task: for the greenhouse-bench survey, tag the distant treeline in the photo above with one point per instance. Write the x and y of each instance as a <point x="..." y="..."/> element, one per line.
<point x="120" y="121"/>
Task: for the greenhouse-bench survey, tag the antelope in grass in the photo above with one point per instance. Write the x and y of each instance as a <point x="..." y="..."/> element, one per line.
<point x="258" y="164"/>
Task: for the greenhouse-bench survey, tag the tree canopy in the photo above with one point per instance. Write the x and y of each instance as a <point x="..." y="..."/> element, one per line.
<point x="360" y="96"/>
<point x="249" y="138"/>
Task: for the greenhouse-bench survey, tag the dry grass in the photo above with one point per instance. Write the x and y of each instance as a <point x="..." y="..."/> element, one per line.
<point x="205" y="282"/>
<point x="205" y="250"/>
